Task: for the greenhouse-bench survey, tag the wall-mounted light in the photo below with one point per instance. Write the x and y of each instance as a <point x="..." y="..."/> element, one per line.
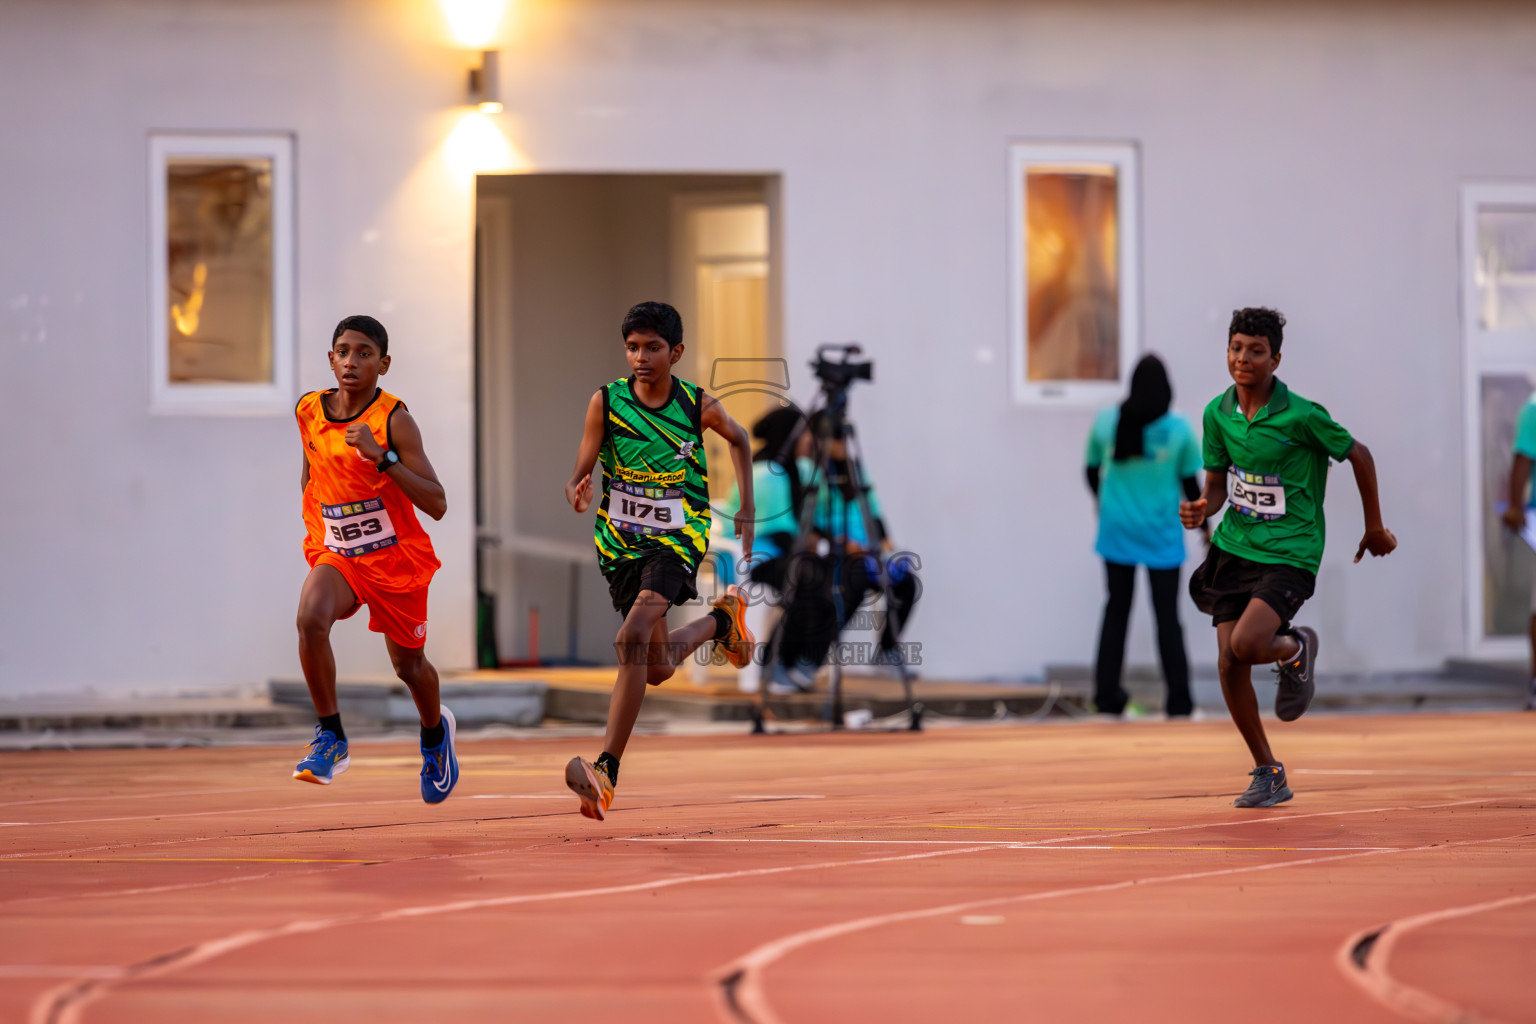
<point x="485" y="83"/>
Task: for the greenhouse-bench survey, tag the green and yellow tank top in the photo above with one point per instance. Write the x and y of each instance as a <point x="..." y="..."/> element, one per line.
<point x="655" y="480"/>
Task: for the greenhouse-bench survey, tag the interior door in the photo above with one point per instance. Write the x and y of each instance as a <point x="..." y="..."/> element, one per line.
<point x="1499" y="344"/>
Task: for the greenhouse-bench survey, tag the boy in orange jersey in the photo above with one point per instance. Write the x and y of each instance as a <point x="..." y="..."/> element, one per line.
<point x="365" y="474"/>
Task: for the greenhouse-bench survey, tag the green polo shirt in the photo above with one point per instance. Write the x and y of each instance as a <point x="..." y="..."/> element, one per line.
<point x="1277" y="473"/>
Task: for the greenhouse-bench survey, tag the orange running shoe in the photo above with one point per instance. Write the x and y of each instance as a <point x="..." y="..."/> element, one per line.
<point x="592" y="785"/>
<point x="738" y="643"/>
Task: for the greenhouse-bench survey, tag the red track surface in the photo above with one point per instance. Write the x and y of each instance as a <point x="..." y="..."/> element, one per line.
<point x="1073" y="872"/>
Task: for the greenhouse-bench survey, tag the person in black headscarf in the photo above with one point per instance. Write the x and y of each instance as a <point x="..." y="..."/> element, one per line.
<point x="1140" y="457"/>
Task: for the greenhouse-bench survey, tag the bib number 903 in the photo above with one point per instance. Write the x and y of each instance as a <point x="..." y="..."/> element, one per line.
<point x="1257" y="495"/>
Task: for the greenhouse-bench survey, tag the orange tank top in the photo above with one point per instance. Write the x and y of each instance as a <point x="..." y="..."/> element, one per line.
<point x="352" y="509"/>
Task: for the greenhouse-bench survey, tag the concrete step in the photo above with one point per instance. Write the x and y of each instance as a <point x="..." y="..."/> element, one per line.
<point x="474" y="700"/>
<point x="1513" y="673"/>
<point x="1379" y="691"/>
<point x="76" y="714"/>
<point x="584" y="697"/>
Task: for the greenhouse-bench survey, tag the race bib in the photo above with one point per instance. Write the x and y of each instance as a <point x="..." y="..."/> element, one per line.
<point x="641" y="509"/>
<point x="357" y="527"/>
<point x="1254" y="494"/>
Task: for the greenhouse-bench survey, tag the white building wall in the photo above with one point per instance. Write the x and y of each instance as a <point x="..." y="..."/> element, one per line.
<point x="1304" y="157"/>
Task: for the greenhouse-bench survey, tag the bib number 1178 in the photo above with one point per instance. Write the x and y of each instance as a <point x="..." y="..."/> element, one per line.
<point x="645" y="509"/>
<point x="639" y="511"/>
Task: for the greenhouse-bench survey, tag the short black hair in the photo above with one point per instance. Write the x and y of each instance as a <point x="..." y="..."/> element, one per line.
<point x="368" y="327"/>
<point x="1259" y="322"/>
<point x="654" y="316"/>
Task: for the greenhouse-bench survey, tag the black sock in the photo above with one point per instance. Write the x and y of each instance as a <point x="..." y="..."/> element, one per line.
<point x="609" y="764"/>
<point x="433" y="737"/>
<point x="722" y="623"/>
<point x="332" y="724"/>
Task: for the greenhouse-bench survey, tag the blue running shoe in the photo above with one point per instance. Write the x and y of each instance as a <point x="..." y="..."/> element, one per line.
<point x="327" y="758"/>
<point x="440" y="765"/>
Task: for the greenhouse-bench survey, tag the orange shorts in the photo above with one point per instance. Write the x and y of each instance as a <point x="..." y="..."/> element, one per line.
<point x="402" y="617"/>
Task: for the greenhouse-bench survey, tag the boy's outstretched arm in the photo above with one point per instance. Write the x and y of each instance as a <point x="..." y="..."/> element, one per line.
<point x="717" y="419"/>
<point x="1378" y="540"/>
<point x="578" y="489"/>
<point x="1193" y="514"/>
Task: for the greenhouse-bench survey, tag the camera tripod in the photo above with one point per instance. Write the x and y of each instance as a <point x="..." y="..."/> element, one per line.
<point x="845" y="475"/>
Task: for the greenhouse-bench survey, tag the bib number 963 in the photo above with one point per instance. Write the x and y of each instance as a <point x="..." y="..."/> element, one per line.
<point x="357" y="527"/>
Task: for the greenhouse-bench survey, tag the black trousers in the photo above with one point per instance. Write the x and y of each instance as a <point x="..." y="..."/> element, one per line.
<point x="1109" y="696"/>
<point x="812" y="622"/>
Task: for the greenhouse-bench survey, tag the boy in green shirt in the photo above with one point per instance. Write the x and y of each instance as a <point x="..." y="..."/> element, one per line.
<point x="652" y="526"/>
<point x="1266" y="452"/>
<point x="1515" y="514"/>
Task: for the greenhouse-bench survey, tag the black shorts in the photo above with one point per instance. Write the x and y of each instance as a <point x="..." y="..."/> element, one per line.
<point x="661" y="572"/>
<point x="1225" y="583"/>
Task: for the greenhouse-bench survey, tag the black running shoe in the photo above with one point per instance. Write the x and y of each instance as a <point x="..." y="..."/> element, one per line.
<point x="1267" y="789"/>
<point x="1296" y="681"/>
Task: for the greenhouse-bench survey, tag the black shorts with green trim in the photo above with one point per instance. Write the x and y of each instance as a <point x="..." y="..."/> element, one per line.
<point x="1224" y="584"/>
<point x="661" y="572"/>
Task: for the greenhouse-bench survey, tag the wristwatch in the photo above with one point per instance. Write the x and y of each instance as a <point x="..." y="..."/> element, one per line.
<point x="389" y="459"/>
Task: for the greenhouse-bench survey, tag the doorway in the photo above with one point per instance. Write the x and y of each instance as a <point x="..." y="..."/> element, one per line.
<point x="559" y="259"/>
<point x="1499" y="347"/>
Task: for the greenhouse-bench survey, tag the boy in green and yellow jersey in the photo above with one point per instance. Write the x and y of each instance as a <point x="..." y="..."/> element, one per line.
<point x="653" y="526"/>
<point x="1266" y="452"/>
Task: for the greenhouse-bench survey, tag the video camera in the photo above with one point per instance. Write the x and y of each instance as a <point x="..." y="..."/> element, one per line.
<point x="836" y="376"/>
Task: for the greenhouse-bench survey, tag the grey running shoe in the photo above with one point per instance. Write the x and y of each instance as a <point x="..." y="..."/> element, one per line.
<point x="784" y="683"/>
<point x="1296" y="680"/>
<point x="1267" y="789"/>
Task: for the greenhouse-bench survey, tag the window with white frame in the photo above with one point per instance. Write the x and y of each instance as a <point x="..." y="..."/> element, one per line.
<point x="221" y="273"/>
<point x="1073" y="273"/>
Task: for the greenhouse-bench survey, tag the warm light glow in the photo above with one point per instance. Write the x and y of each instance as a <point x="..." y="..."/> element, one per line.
<point x="186" y="317"/>
<point x="474" y="22"/>
<point x="477" y="146"/>
<point x="490" y="107"/>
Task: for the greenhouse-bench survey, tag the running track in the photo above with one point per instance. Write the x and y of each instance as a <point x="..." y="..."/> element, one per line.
<point x="1068" y="872"/>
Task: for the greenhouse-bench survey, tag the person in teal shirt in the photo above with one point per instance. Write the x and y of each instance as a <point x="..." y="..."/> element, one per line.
<point x="1522" y="497"/>
<point x="1140" y="457"/>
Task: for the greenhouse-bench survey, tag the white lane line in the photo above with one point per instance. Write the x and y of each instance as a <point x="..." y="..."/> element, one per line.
<point x="1012" y="844"/>
<point x="57" y="971"/>
<point x="739" y="983"/>
<point x="1435" y="772"/>
<point x="234" y="879"/>
<point x="113" y="797"/>
<point x="64" y="1005"/>
<point x="851" y="842"/>
<point x="207" y="814"/>
<point x="368" y="803"/>
<point x="1374" y="980"/>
